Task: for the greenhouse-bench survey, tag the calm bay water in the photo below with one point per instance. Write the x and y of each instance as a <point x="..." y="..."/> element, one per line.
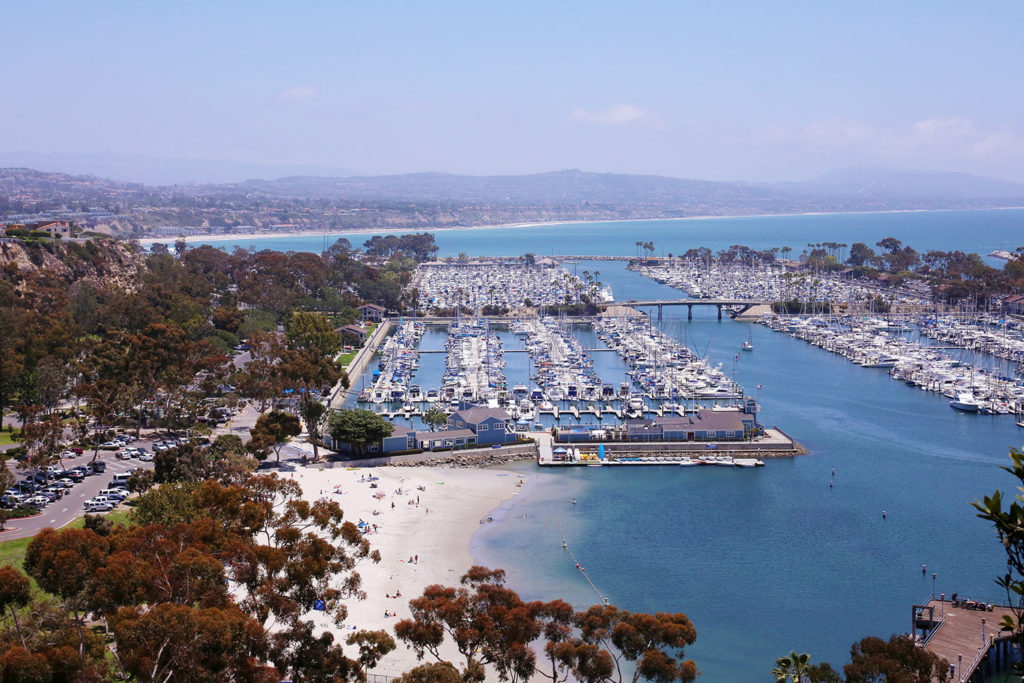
<point x="978" y="231"/>
<point x="770" y="560"/>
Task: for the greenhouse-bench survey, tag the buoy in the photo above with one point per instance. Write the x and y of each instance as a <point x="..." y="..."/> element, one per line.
<point x="564" y="544"/>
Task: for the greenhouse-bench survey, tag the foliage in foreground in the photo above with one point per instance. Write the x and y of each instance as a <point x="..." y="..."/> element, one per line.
<point x="491" y="626"/>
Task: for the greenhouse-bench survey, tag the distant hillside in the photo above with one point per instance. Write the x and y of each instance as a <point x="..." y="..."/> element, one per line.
<point x="427" y="200"/>
<point x="558" y="187"/>
<point x="161" y="170"/>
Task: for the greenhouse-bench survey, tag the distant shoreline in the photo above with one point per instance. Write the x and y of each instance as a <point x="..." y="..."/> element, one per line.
<point x="229" y="237"/>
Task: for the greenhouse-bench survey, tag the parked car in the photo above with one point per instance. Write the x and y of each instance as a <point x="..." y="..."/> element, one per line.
<point x="98" y="506"/>
<point x="119" y="494"/>
<point x="76" y="476"/>
<point x="38" y="501"/>
<point x="98" y="467"/>
<point x="146" y="457"/>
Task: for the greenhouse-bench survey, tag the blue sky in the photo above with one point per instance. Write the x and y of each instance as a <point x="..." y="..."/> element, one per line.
<point x="723" y="90"/>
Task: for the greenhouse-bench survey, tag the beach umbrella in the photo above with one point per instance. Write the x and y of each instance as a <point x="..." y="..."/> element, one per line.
<point x="559" y="450"/>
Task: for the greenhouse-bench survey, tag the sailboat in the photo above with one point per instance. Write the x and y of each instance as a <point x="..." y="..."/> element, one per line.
<point x="748" y="345"/>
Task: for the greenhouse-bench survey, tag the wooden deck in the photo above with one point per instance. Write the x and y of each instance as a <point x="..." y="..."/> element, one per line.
<point x="962" y="637"/>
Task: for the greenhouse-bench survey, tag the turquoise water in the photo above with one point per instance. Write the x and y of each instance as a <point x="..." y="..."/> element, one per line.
<point x="769" y="560"/>
<point x="978" y="231"/>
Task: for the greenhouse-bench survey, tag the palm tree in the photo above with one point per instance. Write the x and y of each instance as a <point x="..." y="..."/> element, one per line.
<point x="792" y="668"/>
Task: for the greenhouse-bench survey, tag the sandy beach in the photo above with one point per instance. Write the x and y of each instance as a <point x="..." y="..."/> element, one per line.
<point x="220" y="237"/>
<point x="424" y="514"/>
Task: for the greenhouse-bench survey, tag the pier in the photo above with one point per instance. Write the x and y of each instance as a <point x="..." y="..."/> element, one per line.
<point x="969" y="639"/>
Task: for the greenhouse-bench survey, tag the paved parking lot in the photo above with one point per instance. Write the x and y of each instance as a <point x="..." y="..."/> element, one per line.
<point x="64" y="510"/>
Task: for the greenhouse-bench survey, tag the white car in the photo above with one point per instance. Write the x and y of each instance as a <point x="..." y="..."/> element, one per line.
<point x="146" y="457"/>
<point x="98" y="506"/>
<point x="38" y="501"/>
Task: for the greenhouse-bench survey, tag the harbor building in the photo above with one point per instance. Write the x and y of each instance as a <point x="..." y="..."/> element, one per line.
<point x="372" y="313"/>
<point x="448" y="439"/>
<point x="489" y="425"/>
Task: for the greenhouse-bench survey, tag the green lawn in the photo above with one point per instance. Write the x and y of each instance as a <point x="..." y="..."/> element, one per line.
<point x="13" y="552"/>
<point x="346" y="358"/>
<point x="6" y="438"/>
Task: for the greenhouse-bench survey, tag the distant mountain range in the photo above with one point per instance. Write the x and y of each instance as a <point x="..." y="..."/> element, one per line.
<point x="426" y="200"/>
<point x="859" y="188"/>
<point x="153" y="170"/>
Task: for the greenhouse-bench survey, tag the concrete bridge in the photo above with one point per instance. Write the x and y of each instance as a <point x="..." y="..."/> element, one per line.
<point x="744" y="304"/>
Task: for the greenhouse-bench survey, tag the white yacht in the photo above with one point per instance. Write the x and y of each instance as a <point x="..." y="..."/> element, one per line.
<point x="966" y="402"/>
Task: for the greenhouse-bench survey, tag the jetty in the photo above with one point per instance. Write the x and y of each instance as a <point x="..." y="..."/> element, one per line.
<point x="969" y="638"/>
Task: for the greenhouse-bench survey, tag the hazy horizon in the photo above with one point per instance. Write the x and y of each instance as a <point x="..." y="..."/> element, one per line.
<point x="733" y="92"/>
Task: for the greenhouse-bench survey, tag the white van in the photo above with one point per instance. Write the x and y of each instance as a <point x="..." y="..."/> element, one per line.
<point x="121" y="478"/>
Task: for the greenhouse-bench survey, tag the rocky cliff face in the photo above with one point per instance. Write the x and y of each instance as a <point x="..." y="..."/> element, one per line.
<point x="107" y="261"/>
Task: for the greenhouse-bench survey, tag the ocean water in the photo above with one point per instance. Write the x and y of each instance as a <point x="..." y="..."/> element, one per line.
<point x="977" y="231"/>
<point x="774" y="559"/>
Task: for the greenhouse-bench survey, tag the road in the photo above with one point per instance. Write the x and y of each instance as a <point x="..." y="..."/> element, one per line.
<point x="64" y="510"/>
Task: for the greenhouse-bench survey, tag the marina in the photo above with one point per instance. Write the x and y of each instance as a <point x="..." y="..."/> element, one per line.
<point x="886" y="446"/>
<point x="878" y="343"/>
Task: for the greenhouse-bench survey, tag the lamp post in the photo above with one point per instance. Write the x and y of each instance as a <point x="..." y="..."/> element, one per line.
<point x="983" y="632"/>
<point x="959" y="664"/>
<point x="933" y="585"/>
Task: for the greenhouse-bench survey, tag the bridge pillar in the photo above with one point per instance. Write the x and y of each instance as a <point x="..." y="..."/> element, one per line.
<point x="719" y="311"/>
<point x="689" y="311"/>
<point x="659" y="312"/>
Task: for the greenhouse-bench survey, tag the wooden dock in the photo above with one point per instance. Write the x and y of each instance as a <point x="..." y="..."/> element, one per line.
<point x="970" y="640"/>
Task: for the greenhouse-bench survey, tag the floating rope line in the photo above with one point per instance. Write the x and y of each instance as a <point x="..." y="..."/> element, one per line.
<point x="583" y="571"/>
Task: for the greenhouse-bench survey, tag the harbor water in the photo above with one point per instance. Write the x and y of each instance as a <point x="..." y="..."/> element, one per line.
<point x="793" y="556"/>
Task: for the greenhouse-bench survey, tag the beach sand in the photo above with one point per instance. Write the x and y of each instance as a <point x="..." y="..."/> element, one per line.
<point x="435" y="532"/>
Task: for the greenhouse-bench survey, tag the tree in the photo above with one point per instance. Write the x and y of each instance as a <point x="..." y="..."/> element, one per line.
<point x="898" y="660"/>
<point x="491" y="625"/>
<point x="433" y="672"/>
<point x="15" y="593"/>
<point x="791" y="668"/>
<point x="271" y="431"/>
<point x="860" y="254"/>
<point x="177" y="642"/>
<point x="63" y="562"/>
<point x="358" y="428"/>
<point x="313" y="413"/>
<point x="435" y="418"/>
<point x="1009" y="525"/>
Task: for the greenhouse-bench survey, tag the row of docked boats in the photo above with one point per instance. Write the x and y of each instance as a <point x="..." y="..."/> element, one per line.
<point x="875" y="343"/>
<point x="503" y="285"/>
<point x="561" y="368"/>
<point x="573" y="456"/>
<point x="399" y="359"/>
<point x="474" y="364"/>
<point x="663" y="368"/>
<point x="712" y="277"/>
<point x="997" y="336"/>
